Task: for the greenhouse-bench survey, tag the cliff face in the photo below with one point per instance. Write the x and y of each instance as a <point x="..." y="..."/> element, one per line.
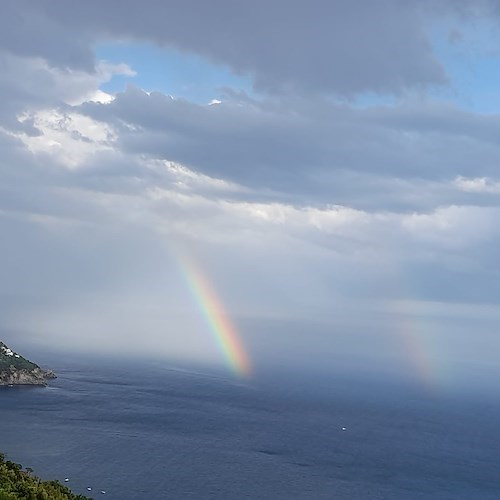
<point x="16" y="370"/>
<point x="37" y="376"/>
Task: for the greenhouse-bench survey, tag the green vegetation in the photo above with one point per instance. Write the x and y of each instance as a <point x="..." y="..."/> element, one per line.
<point x="19" y="484"/>
<point x="10" y="358"/>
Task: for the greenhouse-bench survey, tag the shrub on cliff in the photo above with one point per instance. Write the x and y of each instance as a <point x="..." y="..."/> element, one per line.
<point x="19" y="484"/>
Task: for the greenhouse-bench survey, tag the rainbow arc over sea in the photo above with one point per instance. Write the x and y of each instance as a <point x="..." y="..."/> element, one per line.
<point x="217" y="319"/>
<point x="421" y="339"/>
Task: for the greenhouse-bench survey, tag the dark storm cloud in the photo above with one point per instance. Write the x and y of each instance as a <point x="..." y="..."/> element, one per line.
<point x="338" y="46"/>
<point x="27" y="30"/>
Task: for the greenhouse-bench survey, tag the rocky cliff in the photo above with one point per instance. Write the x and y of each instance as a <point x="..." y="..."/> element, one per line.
<point x="17" y="370"/>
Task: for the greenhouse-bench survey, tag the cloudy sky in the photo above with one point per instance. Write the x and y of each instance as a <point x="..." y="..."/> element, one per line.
<point x="330" y="167"/>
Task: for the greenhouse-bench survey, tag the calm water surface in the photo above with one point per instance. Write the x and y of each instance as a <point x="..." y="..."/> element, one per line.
<point x="169" y="434"/>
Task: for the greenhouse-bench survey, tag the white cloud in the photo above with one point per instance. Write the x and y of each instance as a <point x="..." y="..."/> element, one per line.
<point x="453" y="227"/>
<point x="69" y="138"/>
<point x="477" y="185"/>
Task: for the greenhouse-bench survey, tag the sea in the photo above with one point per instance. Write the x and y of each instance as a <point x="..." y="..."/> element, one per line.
<point x="153" y="431"/>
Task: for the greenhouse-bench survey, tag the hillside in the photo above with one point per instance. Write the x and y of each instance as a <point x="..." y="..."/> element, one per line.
<point x="17" y="370"/>
<point x="19" y="484"/>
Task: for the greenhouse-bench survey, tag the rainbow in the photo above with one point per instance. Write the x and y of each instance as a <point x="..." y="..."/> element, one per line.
<point x="420" y="340"/>
<point x="217" y="319"/>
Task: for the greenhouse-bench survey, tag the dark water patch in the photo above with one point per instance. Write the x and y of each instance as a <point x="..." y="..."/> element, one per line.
<point x="300" y="464"/>
<point x="270" y="452"/>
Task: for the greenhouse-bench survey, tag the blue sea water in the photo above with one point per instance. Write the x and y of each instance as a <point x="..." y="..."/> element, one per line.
<point x="159" y="433"/>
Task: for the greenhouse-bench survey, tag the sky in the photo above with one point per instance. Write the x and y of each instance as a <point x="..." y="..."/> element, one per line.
<point x="330" y="169"/>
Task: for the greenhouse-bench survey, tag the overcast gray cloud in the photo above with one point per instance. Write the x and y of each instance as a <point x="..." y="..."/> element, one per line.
<point x="268" y="144"/>
<point x="27" y="31"/>
<point x="338" y="46"/>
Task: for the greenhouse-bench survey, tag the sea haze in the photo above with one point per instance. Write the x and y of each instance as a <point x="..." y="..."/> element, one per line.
<point x="158" y="432"/>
